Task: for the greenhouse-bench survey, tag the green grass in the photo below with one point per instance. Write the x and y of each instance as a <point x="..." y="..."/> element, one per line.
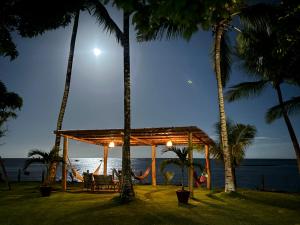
<point x="23" y="205"/>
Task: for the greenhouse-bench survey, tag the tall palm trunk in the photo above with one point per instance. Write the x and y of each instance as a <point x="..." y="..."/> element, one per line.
<point x="127" y="193"/>
<point x="5" y="173"/>
<point x="53" y="166"/>
<point x="229" y="182"/>
<point x="289" y="126"/>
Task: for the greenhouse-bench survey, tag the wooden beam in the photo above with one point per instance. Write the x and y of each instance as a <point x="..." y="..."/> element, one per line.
<point x="142" y="141"/>
<point x="191" y="168"/>
<point x="78" y="139"/>
<point x="105" y="155"/>
<point x="207" y="166"/>
<point x="153" y="169"/>
<point x="139" y="140"/>
<point x="64" y="165"/>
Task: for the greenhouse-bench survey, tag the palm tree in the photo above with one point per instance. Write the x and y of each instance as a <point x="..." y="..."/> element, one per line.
<point x="182" y="160"/>
<point x="240" y="137"/>
<point x="184" y="19"/>
<point x="100" y="12"/>
<point x="261" y="55"/>
<point x="9" y="103"/>
<point x="127" y="193"/>
<point x="44" y="158"/>
<point x="53" y="166"/>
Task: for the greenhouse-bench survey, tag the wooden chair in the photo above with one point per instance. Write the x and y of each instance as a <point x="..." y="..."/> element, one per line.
<point x="105" y="182"/>
<point x="88" y="181"/>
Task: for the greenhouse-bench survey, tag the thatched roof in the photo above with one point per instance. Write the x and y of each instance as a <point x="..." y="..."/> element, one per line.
<point x="140" y="136"/>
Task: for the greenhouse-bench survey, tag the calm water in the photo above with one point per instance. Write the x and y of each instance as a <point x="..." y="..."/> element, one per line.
<point x="277" y="174"/>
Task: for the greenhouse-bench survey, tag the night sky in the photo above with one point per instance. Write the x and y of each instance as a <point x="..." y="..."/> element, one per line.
<point x="161" y="94"/>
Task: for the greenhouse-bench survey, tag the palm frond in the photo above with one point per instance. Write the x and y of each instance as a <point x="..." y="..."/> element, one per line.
<point x="257" y="16"/>
<point x="30" y="161"/>
<point x="240" y="136"/>
<point x="225" y="59"/>
<point x="170" y="161"/>
<point x="164" y="27"/>
<point x="245" y="90"/>
<point x="181" y="153"/>
<point x="216" y="151"/>
<point x="37" y="152"/>
<point x="291" y="106"/>
<point x="103" y="17"/>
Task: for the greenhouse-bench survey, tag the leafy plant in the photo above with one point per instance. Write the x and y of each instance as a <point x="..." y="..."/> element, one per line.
<point x="45" y="158"/>
<point x="182" y="160"/>
<point x="240" y="137"/>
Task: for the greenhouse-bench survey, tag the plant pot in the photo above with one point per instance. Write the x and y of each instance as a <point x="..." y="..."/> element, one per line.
<point x="183" y="196"/>
<point x="45" y="191"/>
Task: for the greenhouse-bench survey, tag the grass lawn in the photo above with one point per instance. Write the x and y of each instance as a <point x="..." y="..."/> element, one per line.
<point x="23" y="205"/>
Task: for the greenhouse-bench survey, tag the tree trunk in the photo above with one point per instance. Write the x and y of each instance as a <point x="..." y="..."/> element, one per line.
<point x="182" y="178"/>
<point x="234" y="176"/>
<point x="289" y="126"/>
<point x="127" y="193"/>
<point x="53" y="166"/>
<point x="5" y="173"/>
<point x="229" y="183"/>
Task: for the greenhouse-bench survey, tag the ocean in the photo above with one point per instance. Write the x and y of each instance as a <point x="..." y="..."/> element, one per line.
<point x="270" y="174"/>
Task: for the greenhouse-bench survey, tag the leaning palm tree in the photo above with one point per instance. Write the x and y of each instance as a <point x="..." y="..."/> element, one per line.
<point x="99" y="11"/>
<point x="262" y="58"/>
<point x="240" y="137"/>
<point x="184" y="19"/>
<point x="45" y="158"/>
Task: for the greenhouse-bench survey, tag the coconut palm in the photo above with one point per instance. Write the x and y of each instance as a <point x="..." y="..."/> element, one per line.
<point x="52" y="174"/>
<point x="184" y="18"/>
<point x="99" y="11"/>
<point x="45" y="158"/>
<point x="240" y="137"/>
<point x="127" y="193"/>
<point x="261" y="55"/>
<point x="182" y="161"/>
<point x="129" y="8"/>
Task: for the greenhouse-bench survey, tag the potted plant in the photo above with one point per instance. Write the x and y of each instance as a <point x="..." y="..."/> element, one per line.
<point x="182" y="161"/>
<point x="45" y="158"/>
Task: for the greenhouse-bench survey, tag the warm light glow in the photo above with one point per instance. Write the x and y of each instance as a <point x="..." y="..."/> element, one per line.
<point x="111" y="144"/>
<point x="97" y="51"/>
<point x="169" y="144"/>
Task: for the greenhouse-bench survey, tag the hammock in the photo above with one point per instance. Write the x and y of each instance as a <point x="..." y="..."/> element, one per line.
<point x="116" y="173"/>
<point x="77" y="175"/>
<point x="143" y="176"/>
<point x="199" y="179"/>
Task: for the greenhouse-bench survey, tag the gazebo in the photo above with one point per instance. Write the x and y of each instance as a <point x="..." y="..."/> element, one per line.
<point x="153" y="137"/>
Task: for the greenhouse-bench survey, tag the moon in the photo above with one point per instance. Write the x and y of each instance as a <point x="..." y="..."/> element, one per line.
<point x="190" y="82"/>
<point x="97" y="51"/>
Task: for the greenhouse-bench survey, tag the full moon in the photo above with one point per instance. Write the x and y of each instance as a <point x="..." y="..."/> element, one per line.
<point x="96" y="51"/>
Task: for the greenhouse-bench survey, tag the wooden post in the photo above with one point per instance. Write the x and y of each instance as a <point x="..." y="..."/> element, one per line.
<point x="191" y="168"/>
<point x="153" y="169"/>
<point x="64" y="165"/>
<point x="105" y="155"/>
<point x="207" y="166"/>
